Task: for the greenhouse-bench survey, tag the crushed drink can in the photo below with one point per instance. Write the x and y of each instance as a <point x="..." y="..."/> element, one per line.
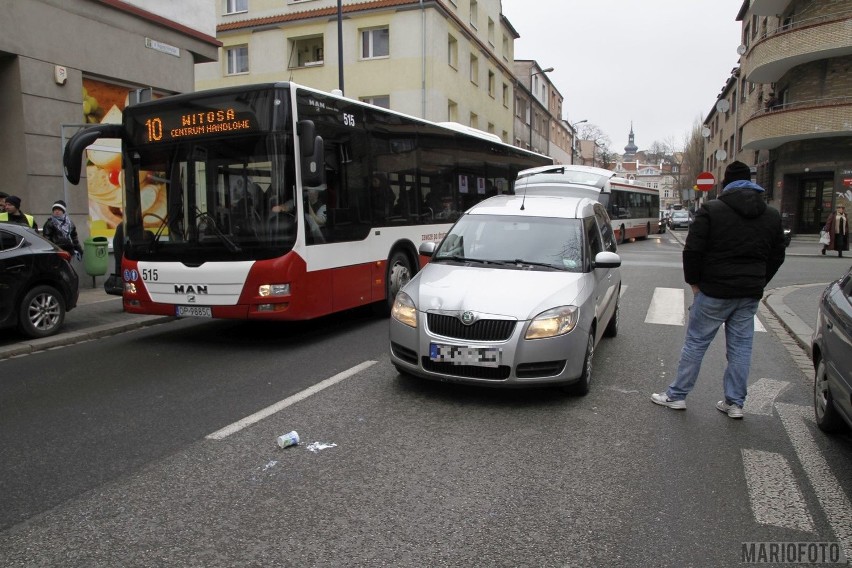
<point x="288" y="439"/>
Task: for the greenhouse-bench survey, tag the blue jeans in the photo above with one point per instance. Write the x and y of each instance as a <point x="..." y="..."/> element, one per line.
<point x="706" y="315"/>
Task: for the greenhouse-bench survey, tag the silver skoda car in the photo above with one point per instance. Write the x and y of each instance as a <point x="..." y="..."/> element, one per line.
<point x="518" y="293"/>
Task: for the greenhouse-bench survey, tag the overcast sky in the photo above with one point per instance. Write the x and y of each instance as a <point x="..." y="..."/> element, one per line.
<point x="658" y="63"/>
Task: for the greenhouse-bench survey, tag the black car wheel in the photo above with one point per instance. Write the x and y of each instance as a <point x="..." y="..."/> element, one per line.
<point x="581" y="387"/>
<point x="826" y="415"/>
<point x="42" y="312"/>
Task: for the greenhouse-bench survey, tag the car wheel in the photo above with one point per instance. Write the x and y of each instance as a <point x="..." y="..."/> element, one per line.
<point x="398" y="275"/>
<point x="612" y="327"/>
<point x="826" y="415"/>
<point x="581" y="387"/>
<point x="42" y="312"/>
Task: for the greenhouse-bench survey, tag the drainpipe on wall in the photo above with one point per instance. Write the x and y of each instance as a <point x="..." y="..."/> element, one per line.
<point x="423" y="61"/>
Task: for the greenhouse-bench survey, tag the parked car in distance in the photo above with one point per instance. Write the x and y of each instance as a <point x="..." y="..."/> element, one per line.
<point x="518" y="293"/>
<point x="680" y="219"/>
<point x="38" y="282"/>
<point x="832" y="356"/>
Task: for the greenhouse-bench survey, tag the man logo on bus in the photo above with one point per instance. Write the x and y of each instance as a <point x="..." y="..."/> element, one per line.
<point x="468" y="318"/>
<point x="190" y="289"/>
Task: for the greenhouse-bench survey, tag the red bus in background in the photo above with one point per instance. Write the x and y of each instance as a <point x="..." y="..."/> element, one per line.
<point x="633" y="208"/>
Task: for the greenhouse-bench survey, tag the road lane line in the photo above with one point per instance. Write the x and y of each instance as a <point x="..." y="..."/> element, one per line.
<point x="757" y="325"/>
<point x="775" y="497"/>
<point x="833" y="500"/>
<point x="666" y="307"/>
<point x="278" y="406"/>
<point x="762" y="394"/>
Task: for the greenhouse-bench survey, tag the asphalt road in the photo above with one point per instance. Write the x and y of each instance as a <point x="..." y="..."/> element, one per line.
<point x="109" y="459"/>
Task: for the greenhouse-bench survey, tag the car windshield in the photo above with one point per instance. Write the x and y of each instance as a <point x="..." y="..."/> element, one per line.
<point x="680" y="215"/>
<point x="516" y="241"/>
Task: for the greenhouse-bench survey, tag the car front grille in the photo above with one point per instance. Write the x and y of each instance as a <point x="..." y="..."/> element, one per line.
<point x="482" y="330"/>
<point x="500" y="373"/>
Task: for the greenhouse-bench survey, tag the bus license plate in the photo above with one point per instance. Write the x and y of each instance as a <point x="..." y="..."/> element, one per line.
<point x="194" y="312"/>
<point x="462" y="355"/>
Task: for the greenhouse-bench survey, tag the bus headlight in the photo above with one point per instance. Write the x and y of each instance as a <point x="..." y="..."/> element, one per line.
<point x="554" y="322"/>
<point x="267" y="290"/>
<point x="404" y="310"/>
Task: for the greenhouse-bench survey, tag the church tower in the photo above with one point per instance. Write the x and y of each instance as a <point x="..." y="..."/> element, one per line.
<point x="631" y="148"/>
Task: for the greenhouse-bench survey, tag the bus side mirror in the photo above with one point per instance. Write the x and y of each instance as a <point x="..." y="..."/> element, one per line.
<point x="72" y="157"/>
<point x="313" y="166"/>
<point x="307" y="134"/>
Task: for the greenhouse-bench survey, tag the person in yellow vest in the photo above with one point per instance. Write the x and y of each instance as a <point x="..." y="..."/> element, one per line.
<point x="13" y="213"/>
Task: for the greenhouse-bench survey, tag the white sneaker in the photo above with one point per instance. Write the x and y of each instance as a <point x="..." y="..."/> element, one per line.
<point x="663" y="400"/>
<point x="732" y="410"/>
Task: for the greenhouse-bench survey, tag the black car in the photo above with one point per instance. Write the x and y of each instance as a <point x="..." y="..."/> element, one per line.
<point x="680" y="219"/>
<point x="38" y="285"/>
<point x="832" y="356"/>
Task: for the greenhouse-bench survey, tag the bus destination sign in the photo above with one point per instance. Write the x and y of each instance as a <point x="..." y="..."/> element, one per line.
<point x="177" y="124"/>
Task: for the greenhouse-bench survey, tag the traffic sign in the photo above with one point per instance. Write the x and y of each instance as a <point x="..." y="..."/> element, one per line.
<point x="705" y="181"/>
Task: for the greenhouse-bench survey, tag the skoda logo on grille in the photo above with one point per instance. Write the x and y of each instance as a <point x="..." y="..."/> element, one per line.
<point x="468" y="318"/>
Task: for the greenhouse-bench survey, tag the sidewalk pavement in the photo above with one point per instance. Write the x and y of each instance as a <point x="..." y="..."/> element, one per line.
<point x="99" y="315"/>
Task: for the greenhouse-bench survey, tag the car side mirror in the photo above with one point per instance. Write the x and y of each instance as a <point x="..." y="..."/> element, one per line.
<point x="428" y="248"/>
<point x="606" y="259"/>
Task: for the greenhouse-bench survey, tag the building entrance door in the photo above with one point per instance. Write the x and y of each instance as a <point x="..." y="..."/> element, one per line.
<point x="814" y="203"/>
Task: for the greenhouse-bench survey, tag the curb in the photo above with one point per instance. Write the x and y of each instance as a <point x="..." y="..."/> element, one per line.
<point x="795" y="326"/>
<point x="29" y="346"/>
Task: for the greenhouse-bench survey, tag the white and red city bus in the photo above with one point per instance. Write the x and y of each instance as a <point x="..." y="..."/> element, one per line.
<point x="281" y="202"/>
<point x="633" y="208"/>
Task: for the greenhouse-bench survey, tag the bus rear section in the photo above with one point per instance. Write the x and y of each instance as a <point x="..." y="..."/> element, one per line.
<point x="634" y="209"/>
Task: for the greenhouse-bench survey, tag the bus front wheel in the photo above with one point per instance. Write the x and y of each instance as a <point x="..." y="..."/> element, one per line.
<point x="399" y="273"/>
<point x="623" y="236"/>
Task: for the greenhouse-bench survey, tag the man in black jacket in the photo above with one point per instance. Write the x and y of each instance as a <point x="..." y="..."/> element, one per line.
<point x="734" y="248"/>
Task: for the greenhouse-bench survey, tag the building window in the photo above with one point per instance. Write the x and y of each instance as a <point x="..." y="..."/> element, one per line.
<point x="474" y="120"/>
<point x="505" y="95"/>
<point x="236" y="6"/>
<point x="306" y="52"/>
<point x="491" y="128"/>
<point x="237" y="58"/>
<point x="491" y="32"/>
<point x="374" y="43"/>
<point x="452" y="111"/>
<point x="474" y="14"/>
<point x="474" y="69"/>
<point x="453" y="52"/>
<point x="379" y="101"/>
<point x="491" y="86"/>
<point x="505" y="48"/>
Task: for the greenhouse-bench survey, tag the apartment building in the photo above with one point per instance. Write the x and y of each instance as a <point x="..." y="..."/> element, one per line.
<point x="67" y="64"/>
<point x="442" y="60"/>
<point x="786" y="109"/>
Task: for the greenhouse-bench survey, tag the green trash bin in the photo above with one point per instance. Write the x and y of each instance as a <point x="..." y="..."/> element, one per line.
<point x="96" y="255"/>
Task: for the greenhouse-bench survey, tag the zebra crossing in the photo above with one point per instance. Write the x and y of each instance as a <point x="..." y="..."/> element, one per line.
<point x="668" y="307"/>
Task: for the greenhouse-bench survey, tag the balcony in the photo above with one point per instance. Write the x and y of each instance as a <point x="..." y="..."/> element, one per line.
<point x="804" y="41"/>
<point x="805" y="120"/>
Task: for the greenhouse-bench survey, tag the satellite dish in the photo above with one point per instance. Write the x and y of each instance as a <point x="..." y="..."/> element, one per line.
<point x="705" y="132"/>
<point x="721" y="155"/>
<point x="742" y="49"/>
<point x="723" y="105"/>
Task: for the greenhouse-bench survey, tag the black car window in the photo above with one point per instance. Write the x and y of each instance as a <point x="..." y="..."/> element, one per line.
<point x="9" y="240"/>
<point x="605" y="226"/>
<point x="593" y="239"/>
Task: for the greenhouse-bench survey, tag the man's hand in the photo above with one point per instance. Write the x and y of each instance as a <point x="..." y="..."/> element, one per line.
<point x="694" y="289"/>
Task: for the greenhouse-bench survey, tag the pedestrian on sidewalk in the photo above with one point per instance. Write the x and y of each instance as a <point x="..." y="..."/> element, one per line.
<point x="13" y="213"/>
<point x="837" y="227"/>
<point x="734" y="247"/>
<point x="60" y="230"/>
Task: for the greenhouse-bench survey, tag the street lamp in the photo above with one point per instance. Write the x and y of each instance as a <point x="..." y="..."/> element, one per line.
<point x="532" y="96"/>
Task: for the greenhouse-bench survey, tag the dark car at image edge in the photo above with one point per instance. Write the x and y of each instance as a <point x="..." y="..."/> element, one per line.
<point x="38" y="285"/>
<point x="831" y="349"/>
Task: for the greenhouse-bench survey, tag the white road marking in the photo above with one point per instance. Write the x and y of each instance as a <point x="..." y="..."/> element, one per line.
<point x="623" y="290"/>
<point x="833" y="500"/>
<point x="278" y="406"/>
<point x="757" y="325"/>
<point x="775" y="497"/>
<point x="666" y="307"/>
<point x="762" y="394"/>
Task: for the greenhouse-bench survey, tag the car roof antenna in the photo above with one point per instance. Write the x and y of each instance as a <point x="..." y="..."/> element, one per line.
<point x="524" y="197"/>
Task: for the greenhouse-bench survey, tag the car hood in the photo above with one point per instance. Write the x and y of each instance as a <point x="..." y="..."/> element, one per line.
<point x="520" y="294"/>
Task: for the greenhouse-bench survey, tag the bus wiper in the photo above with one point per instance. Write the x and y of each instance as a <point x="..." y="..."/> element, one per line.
<point x="211" y="222"/>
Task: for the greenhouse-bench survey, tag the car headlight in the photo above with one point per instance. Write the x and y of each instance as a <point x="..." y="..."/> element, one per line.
<point x="554" y="322"/>
<point x="404" y="310"/>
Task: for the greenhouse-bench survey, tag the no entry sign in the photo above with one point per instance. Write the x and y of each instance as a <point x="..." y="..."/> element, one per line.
<point x="705" y="181"/>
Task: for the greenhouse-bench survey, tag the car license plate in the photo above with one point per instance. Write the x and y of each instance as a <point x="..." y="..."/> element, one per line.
<point x="463" y="355"/>
<point x="193" y="311"/>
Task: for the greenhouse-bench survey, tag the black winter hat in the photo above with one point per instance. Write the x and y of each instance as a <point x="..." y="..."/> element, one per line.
<point x="60" y="205"/>
<point x="736" y="171"/>
<point x="14" y="200"/>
